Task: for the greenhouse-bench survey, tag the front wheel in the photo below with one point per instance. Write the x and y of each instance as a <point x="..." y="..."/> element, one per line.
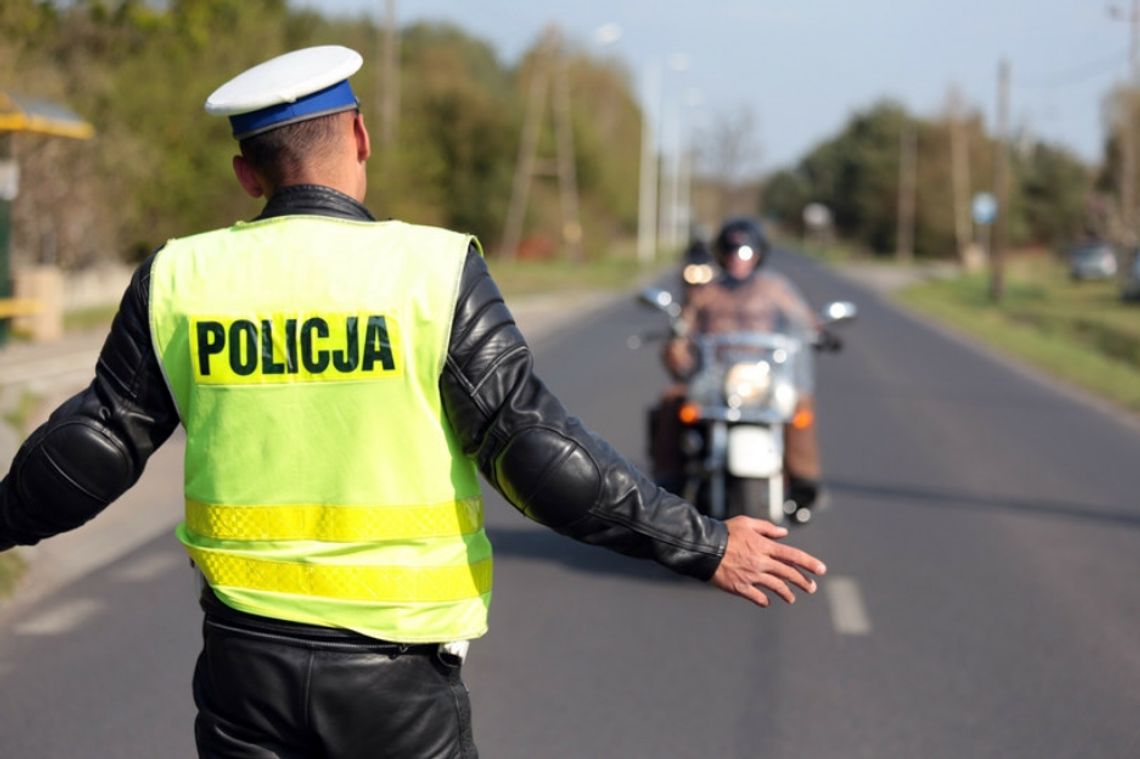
<point x="755" y="496"/>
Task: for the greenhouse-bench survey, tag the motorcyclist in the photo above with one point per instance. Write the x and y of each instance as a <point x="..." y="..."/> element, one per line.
<point x="744" y="297"/>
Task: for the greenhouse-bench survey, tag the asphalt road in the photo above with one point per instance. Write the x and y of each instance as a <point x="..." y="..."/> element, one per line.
<point x="983" y="540"/>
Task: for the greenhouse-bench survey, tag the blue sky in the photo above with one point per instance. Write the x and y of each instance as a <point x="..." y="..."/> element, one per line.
<point x="803" y="66"/>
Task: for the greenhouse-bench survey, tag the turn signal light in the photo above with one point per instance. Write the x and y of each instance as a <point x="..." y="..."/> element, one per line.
<point x="689" y="412"/>
<point x="803" y="419"/>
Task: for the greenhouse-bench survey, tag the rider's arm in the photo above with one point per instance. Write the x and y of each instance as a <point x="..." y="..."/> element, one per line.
<point x="792" y="302"/>
<point x="678" y="357"/>
<point x="544" y="461"/>
<point x="679" y="354"/>
<point x="95" y="445"/>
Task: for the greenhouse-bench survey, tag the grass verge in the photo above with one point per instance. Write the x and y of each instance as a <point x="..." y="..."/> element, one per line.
<point x="542" y="276"/>
<point x="90" y="318"/>
<point x="11" y="567"/>
<point x="1078" y="331"/>
<point x="16" y="417"/>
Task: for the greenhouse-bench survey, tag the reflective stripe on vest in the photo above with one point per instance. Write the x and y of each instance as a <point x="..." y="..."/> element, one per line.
<point x="333" y="523"/>
<point x="323" y="482"/>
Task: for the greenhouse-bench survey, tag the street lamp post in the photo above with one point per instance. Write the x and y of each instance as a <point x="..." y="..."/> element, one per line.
<point x="657" y="220"/>
<point x="647" y="184"/>
<point x="682" y="196"/>
<point x="672" y="141"/>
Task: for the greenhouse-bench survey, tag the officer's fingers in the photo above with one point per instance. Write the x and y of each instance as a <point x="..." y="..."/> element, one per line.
<point x="752" y="593"/>
<point x="790" y="574"/>
<point x="796" y="557"/>
<point x="765" y="528"/>
<point x="777" y="586"/>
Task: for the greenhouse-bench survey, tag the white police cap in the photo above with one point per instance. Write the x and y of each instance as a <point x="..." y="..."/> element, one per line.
<point x="296" y="86"/>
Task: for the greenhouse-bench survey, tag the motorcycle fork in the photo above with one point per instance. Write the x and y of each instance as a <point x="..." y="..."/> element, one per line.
<point x="715" y="463"/>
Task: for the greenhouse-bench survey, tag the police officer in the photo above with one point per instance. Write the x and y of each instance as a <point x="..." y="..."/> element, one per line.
<point x="341" y="382"/>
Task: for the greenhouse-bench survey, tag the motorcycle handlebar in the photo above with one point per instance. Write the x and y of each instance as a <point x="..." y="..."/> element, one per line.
<point x="827" y="341"/>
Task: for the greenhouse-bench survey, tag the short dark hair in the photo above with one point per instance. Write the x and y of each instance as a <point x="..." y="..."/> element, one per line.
<point x="279" y="153"/>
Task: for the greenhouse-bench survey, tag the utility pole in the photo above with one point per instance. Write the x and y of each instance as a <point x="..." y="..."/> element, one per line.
<point x="1128" y="136"/>
<point x="549" y="63"/>
<point x="908" y="180"/>
<point x="1001" y="187"/>
<point x="959" y="174"/>
<point x="567" y="175"/>
<point x="1126" y="126"/>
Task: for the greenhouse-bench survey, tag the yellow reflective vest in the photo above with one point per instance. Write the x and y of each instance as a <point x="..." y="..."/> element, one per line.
<point x="323" y="482"/>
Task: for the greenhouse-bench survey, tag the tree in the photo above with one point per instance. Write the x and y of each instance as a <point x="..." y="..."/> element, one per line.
<point x="856" y="174"/>
<point x="159" y="166"/>
<point x="1053" y="194"/>
<point x="729" y="154"/>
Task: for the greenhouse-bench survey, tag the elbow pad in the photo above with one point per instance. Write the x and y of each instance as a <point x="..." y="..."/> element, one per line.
<point x="66" y="477"/>
<point x="549" y="476"/>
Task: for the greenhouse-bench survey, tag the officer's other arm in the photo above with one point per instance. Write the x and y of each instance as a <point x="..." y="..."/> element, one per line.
<point x="543" y="460"/>
<point x="96" y="444"/>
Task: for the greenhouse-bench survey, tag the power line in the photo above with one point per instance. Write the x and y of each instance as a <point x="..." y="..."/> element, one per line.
<point x="1077" y="74"/>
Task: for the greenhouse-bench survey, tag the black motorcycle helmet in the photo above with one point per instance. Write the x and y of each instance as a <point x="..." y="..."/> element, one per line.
<point x="738" y="233"/>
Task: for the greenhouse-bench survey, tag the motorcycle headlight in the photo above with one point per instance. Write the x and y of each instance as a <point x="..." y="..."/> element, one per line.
<point x="784" y="398"/>
<point x="747" y="384"/>
<point x="697" y="274"/>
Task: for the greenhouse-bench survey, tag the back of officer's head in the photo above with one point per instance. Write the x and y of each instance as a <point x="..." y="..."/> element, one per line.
<point x="298" y="152"/>
<point x="297" y="121"/>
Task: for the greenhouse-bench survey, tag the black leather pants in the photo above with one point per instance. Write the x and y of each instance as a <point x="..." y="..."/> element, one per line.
<point x="267" y="689"/>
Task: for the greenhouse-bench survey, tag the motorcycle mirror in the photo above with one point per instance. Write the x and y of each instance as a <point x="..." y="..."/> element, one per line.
<point x="839" y="311"/>
<point x="661" y="300"/>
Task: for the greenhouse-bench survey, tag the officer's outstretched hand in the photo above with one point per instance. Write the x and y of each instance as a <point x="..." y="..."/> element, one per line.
<point x="754" y="561"/>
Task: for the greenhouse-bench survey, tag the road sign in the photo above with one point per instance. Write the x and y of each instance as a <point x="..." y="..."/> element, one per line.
<point x="984" y="208"/>
<point x="817" y="216"/>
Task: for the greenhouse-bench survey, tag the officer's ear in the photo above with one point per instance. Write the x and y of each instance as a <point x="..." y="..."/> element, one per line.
<point x="360" y="134"/>
<point x="247" y="177"/>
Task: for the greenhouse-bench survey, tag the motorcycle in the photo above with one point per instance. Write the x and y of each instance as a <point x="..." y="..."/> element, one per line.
<point x="736" y="406"/>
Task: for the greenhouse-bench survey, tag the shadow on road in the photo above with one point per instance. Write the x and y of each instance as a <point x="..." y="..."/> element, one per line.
<point x="547" y="546"/>
<point x="920" y="496"/>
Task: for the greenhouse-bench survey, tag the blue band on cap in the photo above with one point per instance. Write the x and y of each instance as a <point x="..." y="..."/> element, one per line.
<point x="338" y="97"/>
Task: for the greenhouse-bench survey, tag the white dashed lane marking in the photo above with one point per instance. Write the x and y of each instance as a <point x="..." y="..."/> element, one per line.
<point x="59" y="619"/>
<point x="848" y="613"/>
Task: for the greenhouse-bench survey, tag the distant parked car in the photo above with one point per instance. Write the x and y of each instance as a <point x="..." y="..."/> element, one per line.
<point x="1092" y="261"/>
<point x="1130" y="289"/>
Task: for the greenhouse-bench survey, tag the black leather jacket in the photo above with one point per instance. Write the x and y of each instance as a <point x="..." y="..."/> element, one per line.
<point x="95" y="445"/>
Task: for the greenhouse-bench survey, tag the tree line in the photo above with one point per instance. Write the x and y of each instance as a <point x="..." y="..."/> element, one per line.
<point x="1055" y="198"/>
<point x="159" y="166"/>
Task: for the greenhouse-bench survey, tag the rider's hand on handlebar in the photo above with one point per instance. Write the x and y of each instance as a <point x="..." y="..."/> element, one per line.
<point x="679" y="356"/>
<point x="828" y="341"/>
<point x="754" y="561"/>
